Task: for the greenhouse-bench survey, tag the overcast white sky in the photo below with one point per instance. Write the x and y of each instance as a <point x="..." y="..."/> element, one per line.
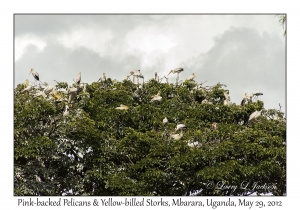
<point x="245" y="52"/>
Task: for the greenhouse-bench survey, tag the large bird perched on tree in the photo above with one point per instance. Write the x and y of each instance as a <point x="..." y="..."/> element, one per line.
<point x="34" y="74"/>
<point x="26" y="83"/>
<point x="192" y="77"/>
<point x="244" y="100"/>
<point x="27" y="89"/>
<point x="256" y="94"/>
<point x="156" y="98"/>
<point x="165" y="120"/>
<point x="255" y="115"/>
<point x="176" y="71"/>
<point x="102" y="79"/>
<point x="72" y="91"/>
<point x="66" y="112"/>
<point x="137" y="74"/>
<point x="48" y="88"/>
<point x="177" y="136"/>
<point x="180" y="126"/>
<point x="214" y="126"/>
<point x="122" y="107"/>
<point x="78" y="78"/>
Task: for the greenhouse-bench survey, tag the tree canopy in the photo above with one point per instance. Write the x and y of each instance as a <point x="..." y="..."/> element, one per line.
<point x="73" y="140"/>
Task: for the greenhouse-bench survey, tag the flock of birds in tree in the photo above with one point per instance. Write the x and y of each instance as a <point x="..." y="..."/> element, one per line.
<point x="72" y="92"/>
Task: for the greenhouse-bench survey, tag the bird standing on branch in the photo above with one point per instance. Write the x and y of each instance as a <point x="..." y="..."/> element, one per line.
<point x="214" y="126"/>
<point x="227" y="102"/>
<point x="66" y="112"/>
<point x="156" y="78"/>
<point x="72" y="91"/>
<point x="245" y="98"/>
<point x="165" y="120"/>
<point x="176" y="71"/>
<point x="137" y="74"/>
<point x="194" y="144"/>
<point x="180" y="126"/>
<point x="103" y="78"/>
<point x="255" y="115"/>
<point x="256" y="94"/>
<point x="156" y="98"/>
<point x="122" y="107"/>
<point x="191" y="77"/>
<point x="35" y="75"/>
<point x="177" y="136"/>
<point x="227" y="99"/>
<point x="40" y="93"/>
<point x="26" y="83"/>
<point x="27" y="89"/>
<point x="48" y="88"/>
<point x="78" y="79"/>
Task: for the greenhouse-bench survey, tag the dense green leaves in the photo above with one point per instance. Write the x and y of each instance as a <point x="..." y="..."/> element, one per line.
<point x="97" y="149"/>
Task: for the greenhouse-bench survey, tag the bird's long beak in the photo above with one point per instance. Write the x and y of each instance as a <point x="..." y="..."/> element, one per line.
<point x="170" y="72"/>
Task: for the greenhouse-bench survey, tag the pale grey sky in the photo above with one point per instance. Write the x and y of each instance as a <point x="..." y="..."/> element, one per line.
<point x="245" y="52"/>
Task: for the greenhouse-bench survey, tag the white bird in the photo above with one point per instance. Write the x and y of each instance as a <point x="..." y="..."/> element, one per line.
<point x="28" y="88"/>
<point x="84" y="88"/>
<point x="72" y="90"/>
<point x="214" y="126"/>
<point x="179" y="127"/>
<point x="71" y="97"/>
<point x="66" y="112"/>
<point x="176" y="71"/>
<point x="122" y="107"/>
<point x="26" y="83"/>
<point x="191" y="77"/>
<point x="227" y="102"/>
<point x="156" y="78"/>
<point x="245" y="98"/>
<point x="165" y="120"/>
<point x="177" y="136"/>
<point x="156" y="98"/>
<point x="205" y="101"/>
<point x="78" y="78"/>
<point x="103" y="78"/>
<point x="137" y="74"/>
<point x="48" y="88"/>
<point x="55" y="94"/>
<point x="256" y="94"/>
<point x="226" y="95"/>
<point x="40" y="93"/>
<point x="254" y="115"/>
<point x="34" y="74"/>
<point x="193" y="144"/>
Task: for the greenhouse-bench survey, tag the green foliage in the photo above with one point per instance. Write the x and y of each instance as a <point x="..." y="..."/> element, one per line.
<point x="282" y="22"/>
<point x="99" y="150"/>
